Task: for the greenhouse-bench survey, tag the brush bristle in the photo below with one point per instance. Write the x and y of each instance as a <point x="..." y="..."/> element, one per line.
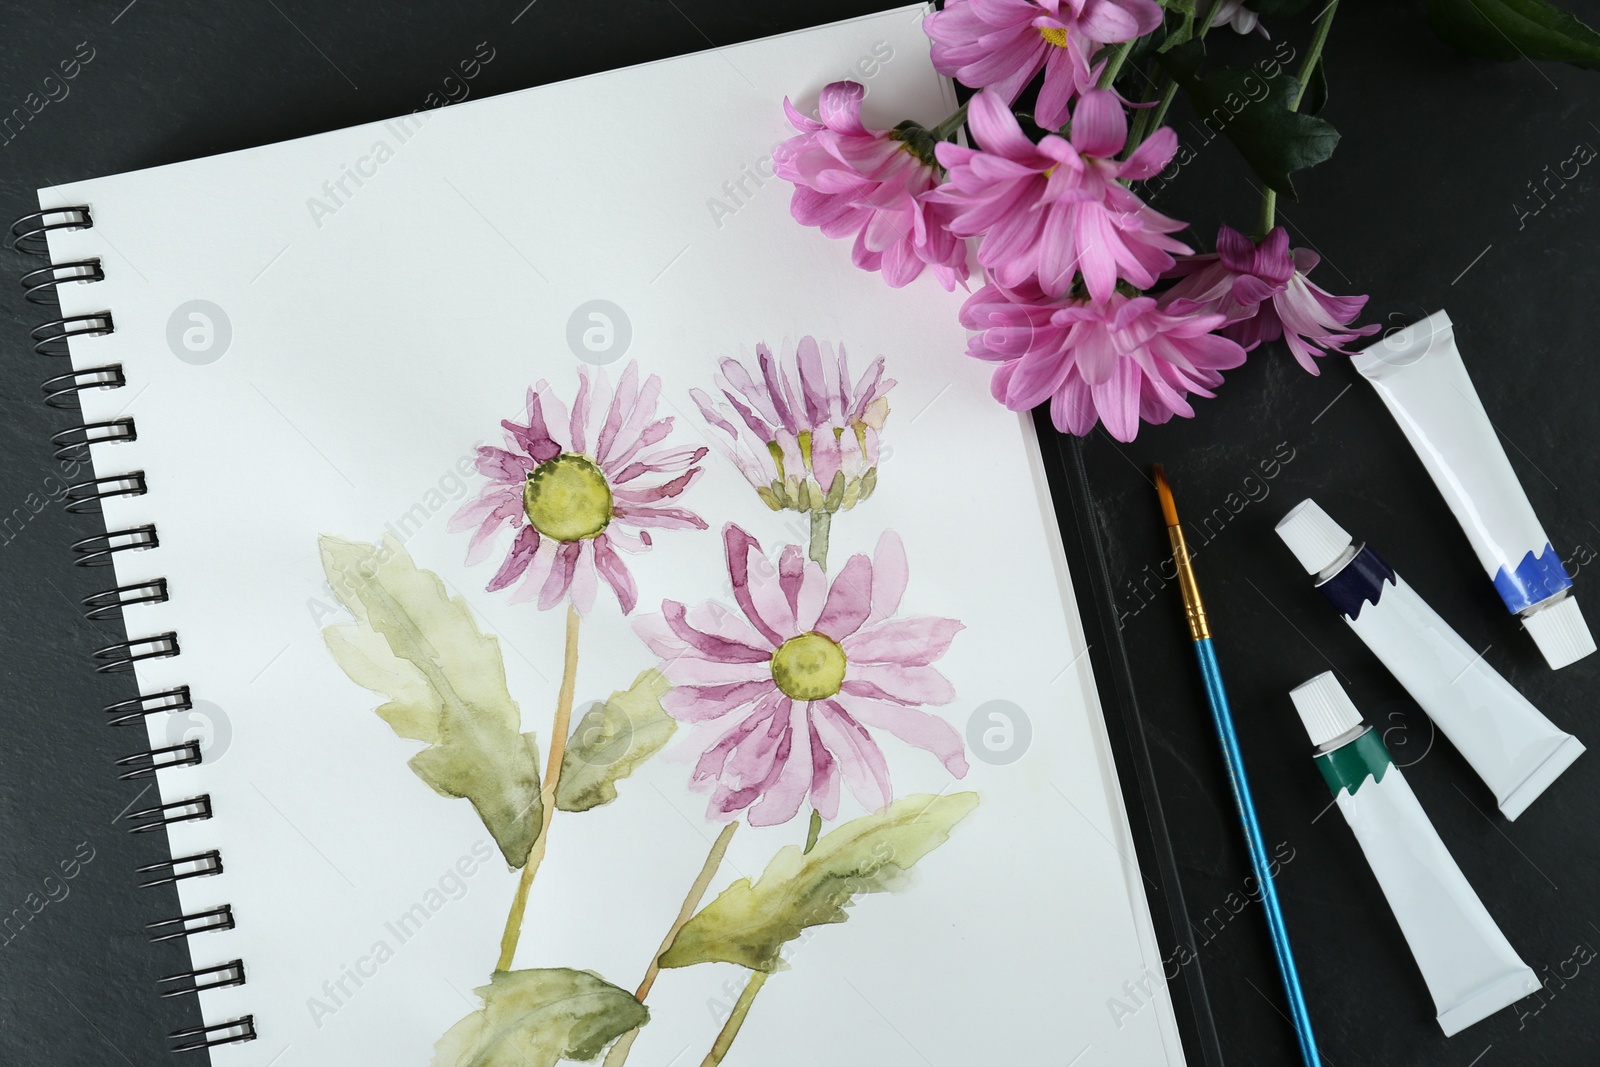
<point x="1169" y="510"/>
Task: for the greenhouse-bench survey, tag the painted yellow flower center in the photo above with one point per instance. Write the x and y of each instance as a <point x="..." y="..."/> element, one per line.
<point x="1056" y="35"/>
<point x="809" y="667"/>
<point x="568" y="498"/>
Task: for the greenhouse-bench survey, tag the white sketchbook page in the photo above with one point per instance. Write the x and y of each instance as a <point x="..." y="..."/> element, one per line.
<point x="368" y="355"/>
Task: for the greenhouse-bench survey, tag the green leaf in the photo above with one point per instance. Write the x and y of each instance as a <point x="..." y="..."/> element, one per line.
<point x="539" y="1017"/>
<point x="1253" y="112"/>
<point x="1515" y="29"/>
<point x="445" y="683"/>
<point x="1183" y="32"/>
<point x="612" y="740"/>
<point x="749" y="924"/>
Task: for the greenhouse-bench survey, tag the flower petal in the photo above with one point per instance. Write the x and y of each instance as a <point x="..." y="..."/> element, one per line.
<point x="849" y="600"/>
<point x="920" y="728"/>
<point x="889" y="575"/>
<point x="899" y="685"/>
<point x="915" y="641"/>
<point x="517" y="560"/>
<point x="858" y="755"/>
<point x="616" y="573"/>
<point x="739" y="548"/>
<point x="783" y="792"/>
<point x="1099" y="125"/>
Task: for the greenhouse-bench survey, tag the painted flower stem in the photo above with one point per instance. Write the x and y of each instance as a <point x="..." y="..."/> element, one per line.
<point x="560" y="727"/>
<point x="1319" y="37"/>
<point x="821" y="523"/>
<point x="730" y="1029"/>
<point x="697" y="891"/>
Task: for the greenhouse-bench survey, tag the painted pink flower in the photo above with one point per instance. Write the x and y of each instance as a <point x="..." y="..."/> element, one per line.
<point x="1052" y="210"/>
<point x="576" y="488"/>
<point x="1115" y="362"/>
<point x="1002" y="44"/>
<point x="798" y="429"/>
<point x="787" y="693"/>
<point x="849" y="179"/>
<point x="1263" y="294"/>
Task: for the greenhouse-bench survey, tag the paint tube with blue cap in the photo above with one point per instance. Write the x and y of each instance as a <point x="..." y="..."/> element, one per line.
<point x="1513" y="747"/>
<point x="1419" y="374"/>
<point x="1471" y="969"/>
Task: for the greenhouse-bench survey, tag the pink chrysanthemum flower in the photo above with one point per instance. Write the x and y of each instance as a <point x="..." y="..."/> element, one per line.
<point x="787" y="692"/>
<point x="1263" y="294"/>
<point x="1115" y="362"/>
<point x="577" y="488"/>
<point x="799" y="430"/>
<point x="1051" y="210"/>
<point x="1002" y="44"/>
<point x="849" y="179"/>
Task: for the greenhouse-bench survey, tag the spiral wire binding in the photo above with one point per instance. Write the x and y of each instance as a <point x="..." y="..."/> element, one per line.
<point x="29" y="234"/>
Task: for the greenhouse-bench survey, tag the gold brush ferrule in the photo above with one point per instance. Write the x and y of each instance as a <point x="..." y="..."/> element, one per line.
<point x="1194" y="610"/>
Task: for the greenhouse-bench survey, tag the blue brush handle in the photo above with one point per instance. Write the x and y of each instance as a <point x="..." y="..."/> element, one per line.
<point x="1222" y="719"/>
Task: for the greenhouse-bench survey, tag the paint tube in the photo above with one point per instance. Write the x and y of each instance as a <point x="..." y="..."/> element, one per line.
<point x="1419" y="374"/>
<point x="1471" y="969"/>
<point x="1513" y="747"/>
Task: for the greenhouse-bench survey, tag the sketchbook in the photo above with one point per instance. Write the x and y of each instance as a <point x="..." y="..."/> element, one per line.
<point x="624" y="630"/>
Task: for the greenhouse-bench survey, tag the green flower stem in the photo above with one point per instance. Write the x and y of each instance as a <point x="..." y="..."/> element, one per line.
<point x="730" y="1029"/>
<point x="560" y="727"/>
<point x="946" y="130"/>
<point x="1119" y="55"/>
<point x="1269" y="213"/>
<point x="821" y="523"/>
<point x="1144" y="126"/>
<point x="1319" y="37"/>
<point x="813" y="831"/>
<point x="697" y="891"/>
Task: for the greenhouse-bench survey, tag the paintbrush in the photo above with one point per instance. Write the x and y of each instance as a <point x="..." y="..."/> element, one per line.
<point x="1222" y="719"/>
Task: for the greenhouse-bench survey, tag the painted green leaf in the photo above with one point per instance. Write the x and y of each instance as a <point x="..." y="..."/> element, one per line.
<point x="1515" y="29"/>
<point x="612" y="740"/>
<point x="539" y="1017"/>
<point x="445" y="683"/>
<point x="1254" y="113"/>
<point x="749" y="924"/>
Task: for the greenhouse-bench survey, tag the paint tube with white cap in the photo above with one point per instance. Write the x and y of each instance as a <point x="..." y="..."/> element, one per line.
<point x="1513" y="747"/>
<point x="1419" y="374"/>
<point x="1471" y="969"/>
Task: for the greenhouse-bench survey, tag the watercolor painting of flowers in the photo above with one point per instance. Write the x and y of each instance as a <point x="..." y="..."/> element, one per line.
<point x="810" y="438"/>
<point x="785" y="693"/>
<point x="576" y="488"/>
<point x="789" y="695"/>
